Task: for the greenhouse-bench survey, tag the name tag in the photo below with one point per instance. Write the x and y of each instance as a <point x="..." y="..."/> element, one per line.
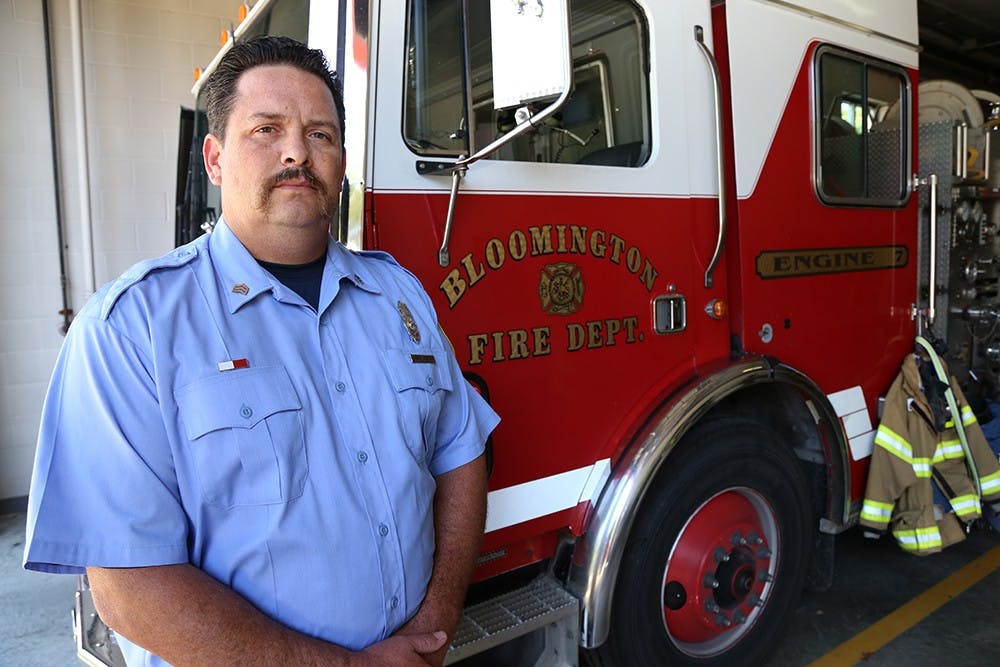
<point x="422" y="359"/>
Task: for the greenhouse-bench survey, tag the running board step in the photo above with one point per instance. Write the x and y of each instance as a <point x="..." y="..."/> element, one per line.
<point x="542" y="604"/>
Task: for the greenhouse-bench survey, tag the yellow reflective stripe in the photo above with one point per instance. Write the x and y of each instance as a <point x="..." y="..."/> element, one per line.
<point x="922" y="467"/>
<point x="894" y="444"/>
<point x="876" y="512"/>
<point x="948" y="450"/>
<point x="990" y="484"/>
<point x="949" y="424"/>
<point x="918" y="539"/>
<point x="968" y="416"/>
<point x="966" y="506"/>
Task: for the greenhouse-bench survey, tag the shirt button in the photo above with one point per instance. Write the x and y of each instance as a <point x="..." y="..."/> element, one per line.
<point x="394" y="602"/>
<point x="362" y="456"/>
<point x="383" y="529"/>
<point x="246" y="412"/>
<point x="430" y="381"/>
<point x="340" y="386"/>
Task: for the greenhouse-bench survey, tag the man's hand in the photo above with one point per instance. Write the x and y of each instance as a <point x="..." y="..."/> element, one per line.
<point x="401" y="650"/>
<point x="459" y="519"/>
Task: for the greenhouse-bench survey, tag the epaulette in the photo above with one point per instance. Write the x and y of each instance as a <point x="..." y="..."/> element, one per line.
<point x="376" y="254"/>
<point x="178" y="257"/>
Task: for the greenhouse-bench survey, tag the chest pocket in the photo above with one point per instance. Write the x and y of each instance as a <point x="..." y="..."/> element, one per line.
<point x="245" y="436"/>
<point x="421" y="381"/>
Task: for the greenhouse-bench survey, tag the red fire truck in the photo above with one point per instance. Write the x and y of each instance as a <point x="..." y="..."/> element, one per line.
<point x="677" y="244"/>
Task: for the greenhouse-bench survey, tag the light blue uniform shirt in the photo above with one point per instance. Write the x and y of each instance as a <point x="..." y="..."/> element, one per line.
<point x="304" y="481"/>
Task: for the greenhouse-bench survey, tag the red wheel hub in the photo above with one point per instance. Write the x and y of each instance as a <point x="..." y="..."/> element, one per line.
<point x="720" y="569"/>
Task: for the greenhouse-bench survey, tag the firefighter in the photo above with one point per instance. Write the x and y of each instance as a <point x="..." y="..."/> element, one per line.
<point x="260" y="446"/>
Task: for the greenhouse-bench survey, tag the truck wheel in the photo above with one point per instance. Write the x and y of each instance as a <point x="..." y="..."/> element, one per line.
<point x="717" y="555"/>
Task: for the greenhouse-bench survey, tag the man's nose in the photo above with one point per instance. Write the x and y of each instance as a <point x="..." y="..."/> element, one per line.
<point x="295" y="151"/>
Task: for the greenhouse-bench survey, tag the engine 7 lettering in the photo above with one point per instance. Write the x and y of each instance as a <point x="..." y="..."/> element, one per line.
<point x="546" y="240"/>
<point x="513" y="344"/>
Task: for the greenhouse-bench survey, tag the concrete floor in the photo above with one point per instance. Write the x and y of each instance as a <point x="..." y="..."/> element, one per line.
<point x="34" y="608"/>
<point x="873" y="580"/>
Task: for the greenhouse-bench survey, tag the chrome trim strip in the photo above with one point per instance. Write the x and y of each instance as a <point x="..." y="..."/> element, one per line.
<point x="598" y="555"/>
<point x="841" y="22"/>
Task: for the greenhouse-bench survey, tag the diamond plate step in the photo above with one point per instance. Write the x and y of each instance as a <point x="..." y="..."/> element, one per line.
<point x="490" y="623"/>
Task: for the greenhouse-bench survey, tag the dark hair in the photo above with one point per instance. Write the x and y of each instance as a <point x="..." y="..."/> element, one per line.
<point x="220" y="89"/>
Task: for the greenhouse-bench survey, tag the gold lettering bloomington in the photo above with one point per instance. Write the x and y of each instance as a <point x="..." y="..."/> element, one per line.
<point x="540" y="241"/>
<point x="820" y="261"/>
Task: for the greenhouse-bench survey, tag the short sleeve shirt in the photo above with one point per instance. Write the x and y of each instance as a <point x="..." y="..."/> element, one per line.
<point x="201" y="412"/>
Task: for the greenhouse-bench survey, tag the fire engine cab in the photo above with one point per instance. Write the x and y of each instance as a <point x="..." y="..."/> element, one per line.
<point x="682" y="247"/>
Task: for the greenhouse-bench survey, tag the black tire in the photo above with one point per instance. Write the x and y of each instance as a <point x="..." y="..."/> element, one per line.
<point x="732" y="490"/>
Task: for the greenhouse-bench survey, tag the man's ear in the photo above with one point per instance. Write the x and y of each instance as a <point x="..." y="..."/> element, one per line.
<point x="211" y="152"/>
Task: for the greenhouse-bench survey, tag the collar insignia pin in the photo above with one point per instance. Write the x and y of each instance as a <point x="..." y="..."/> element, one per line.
<point x="408" y="321"/>
<point x="241" y="288"/>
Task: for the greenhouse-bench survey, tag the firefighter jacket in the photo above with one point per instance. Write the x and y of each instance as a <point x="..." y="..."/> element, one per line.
<point x="909" y="453"/>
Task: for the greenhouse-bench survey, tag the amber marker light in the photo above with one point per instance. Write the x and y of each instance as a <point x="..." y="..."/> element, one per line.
<point x="716" y="309"/>
<point x="242" y="11"/>
<point x="197" y="73"/>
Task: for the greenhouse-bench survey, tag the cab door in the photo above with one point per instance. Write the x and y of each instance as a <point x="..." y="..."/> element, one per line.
<point x="574" y="281"/>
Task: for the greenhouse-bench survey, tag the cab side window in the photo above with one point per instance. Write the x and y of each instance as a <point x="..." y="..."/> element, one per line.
<point x="449" y="106"/>
<point x="861" y="131"/>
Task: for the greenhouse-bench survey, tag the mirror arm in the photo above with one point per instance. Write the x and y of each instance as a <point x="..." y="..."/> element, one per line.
<point x="525" y="125"/>
<point x="457" y="173"/>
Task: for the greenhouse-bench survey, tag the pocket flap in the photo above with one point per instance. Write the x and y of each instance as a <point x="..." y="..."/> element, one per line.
<point x="235" y="399"/>
<point x="423" y="369"/>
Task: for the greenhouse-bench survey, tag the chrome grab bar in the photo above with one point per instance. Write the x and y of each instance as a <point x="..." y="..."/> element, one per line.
<point x="699" y="38"/>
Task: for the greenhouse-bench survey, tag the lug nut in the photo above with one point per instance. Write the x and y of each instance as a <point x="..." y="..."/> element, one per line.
<point x="710" y="581"/>
<point x="739" y="617"/>
<point x="763" y="552"/>
<point x="737" y="540"/>
<point x="720" y="555"/>
<point x="765" y="577"/>
<point x="754" y="538"/>
<point x="711" y="606"/>
<point x="755" y="600"/>
<point x="722" y="620"/>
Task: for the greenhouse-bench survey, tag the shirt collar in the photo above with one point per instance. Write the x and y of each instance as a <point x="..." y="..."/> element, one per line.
<point x="243" y="279"/>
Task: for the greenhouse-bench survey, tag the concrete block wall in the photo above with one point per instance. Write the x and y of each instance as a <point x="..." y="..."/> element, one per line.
<point x="139" y="56"/>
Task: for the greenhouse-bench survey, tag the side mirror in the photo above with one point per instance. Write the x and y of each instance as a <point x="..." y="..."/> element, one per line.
<point x="531" y="50"/>
<point x="532" y="61"/>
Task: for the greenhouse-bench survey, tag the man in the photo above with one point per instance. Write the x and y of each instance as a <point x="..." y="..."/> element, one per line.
<point x="260" y="446"/>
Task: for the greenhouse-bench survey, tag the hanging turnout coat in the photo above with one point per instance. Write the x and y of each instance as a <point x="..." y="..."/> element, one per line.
<point x="909" y="453"/>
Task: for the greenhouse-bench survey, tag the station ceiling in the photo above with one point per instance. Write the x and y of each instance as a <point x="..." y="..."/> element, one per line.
<point x="960" y="40"/>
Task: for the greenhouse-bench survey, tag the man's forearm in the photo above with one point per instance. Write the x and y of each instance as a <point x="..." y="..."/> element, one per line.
<point x="459" y="520"/>
<point x="188" y="618"/>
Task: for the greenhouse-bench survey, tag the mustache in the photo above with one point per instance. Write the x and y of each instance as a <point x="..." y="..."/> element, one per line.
<point x="295" y="174"/>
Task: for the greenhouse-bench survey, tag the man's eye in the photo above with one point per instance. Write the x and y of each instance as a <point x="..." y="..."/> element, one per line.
<point x="321" y="135"/>
<point x="266" y="129"/>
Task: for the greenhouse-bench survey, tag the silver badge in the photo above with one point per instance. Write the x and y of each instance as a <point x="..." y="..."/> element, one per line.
<point x="408" y="321"/>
